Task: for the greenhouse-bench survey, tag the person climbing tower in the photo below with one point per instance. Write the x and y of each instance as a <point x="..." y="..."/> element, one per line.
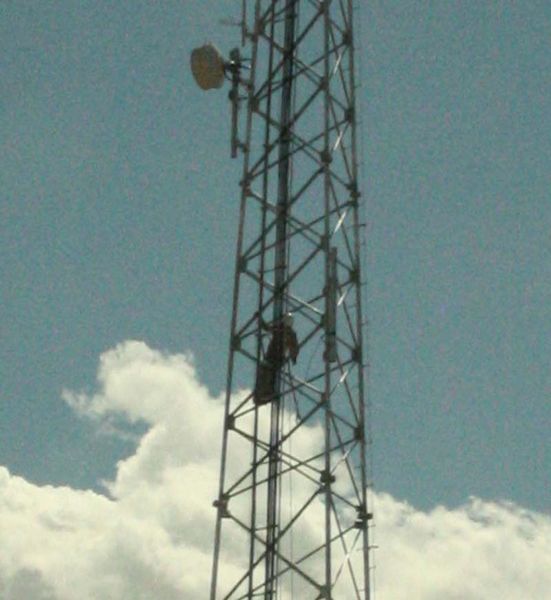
<point x="282" y="347"/>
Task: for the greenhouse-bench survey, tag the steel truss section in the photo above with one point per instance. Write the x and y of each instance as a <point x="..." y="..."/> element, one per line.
<point x="292" y="510"/>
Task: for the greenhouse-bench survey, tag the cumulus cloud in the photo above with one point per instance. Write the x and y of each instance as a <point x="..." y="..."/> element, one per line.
<point x="152" y="536"/>
<point x="477" y="551"/>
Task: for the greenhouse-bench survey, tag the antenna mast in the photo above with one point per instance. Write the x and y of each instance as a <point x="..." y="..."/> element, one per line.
<point x="292" y="510"/>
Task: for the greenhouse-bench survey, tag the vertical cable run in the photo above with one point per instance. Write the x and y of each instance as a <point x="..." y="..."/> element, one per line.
<point x="262" y="270"/>
<point x="280" y="291"/>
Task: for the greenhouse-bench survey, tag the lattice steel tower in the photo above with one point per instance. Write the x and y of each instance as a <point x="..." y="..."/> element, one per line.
<point x="292" y="510"/>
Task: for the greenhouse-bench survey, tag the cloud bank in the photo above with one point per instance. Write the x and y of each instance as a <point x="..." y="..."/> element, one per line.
<point x="151" y="537"/>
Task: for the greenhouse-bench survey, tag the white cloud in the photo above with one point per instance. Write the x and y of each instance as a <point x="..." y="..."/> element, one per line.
<point x="153" y="537"/>
<point x="477" y="551"/>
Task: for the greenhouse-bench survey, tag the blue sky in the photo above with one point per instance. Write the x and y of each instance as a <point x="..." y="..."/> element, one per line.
<point x="118" y="209"/>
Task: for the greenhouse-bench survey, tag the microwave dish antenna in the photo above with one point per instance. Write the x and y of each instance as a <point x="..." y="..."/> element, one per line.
<point x="208" y="67"/>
